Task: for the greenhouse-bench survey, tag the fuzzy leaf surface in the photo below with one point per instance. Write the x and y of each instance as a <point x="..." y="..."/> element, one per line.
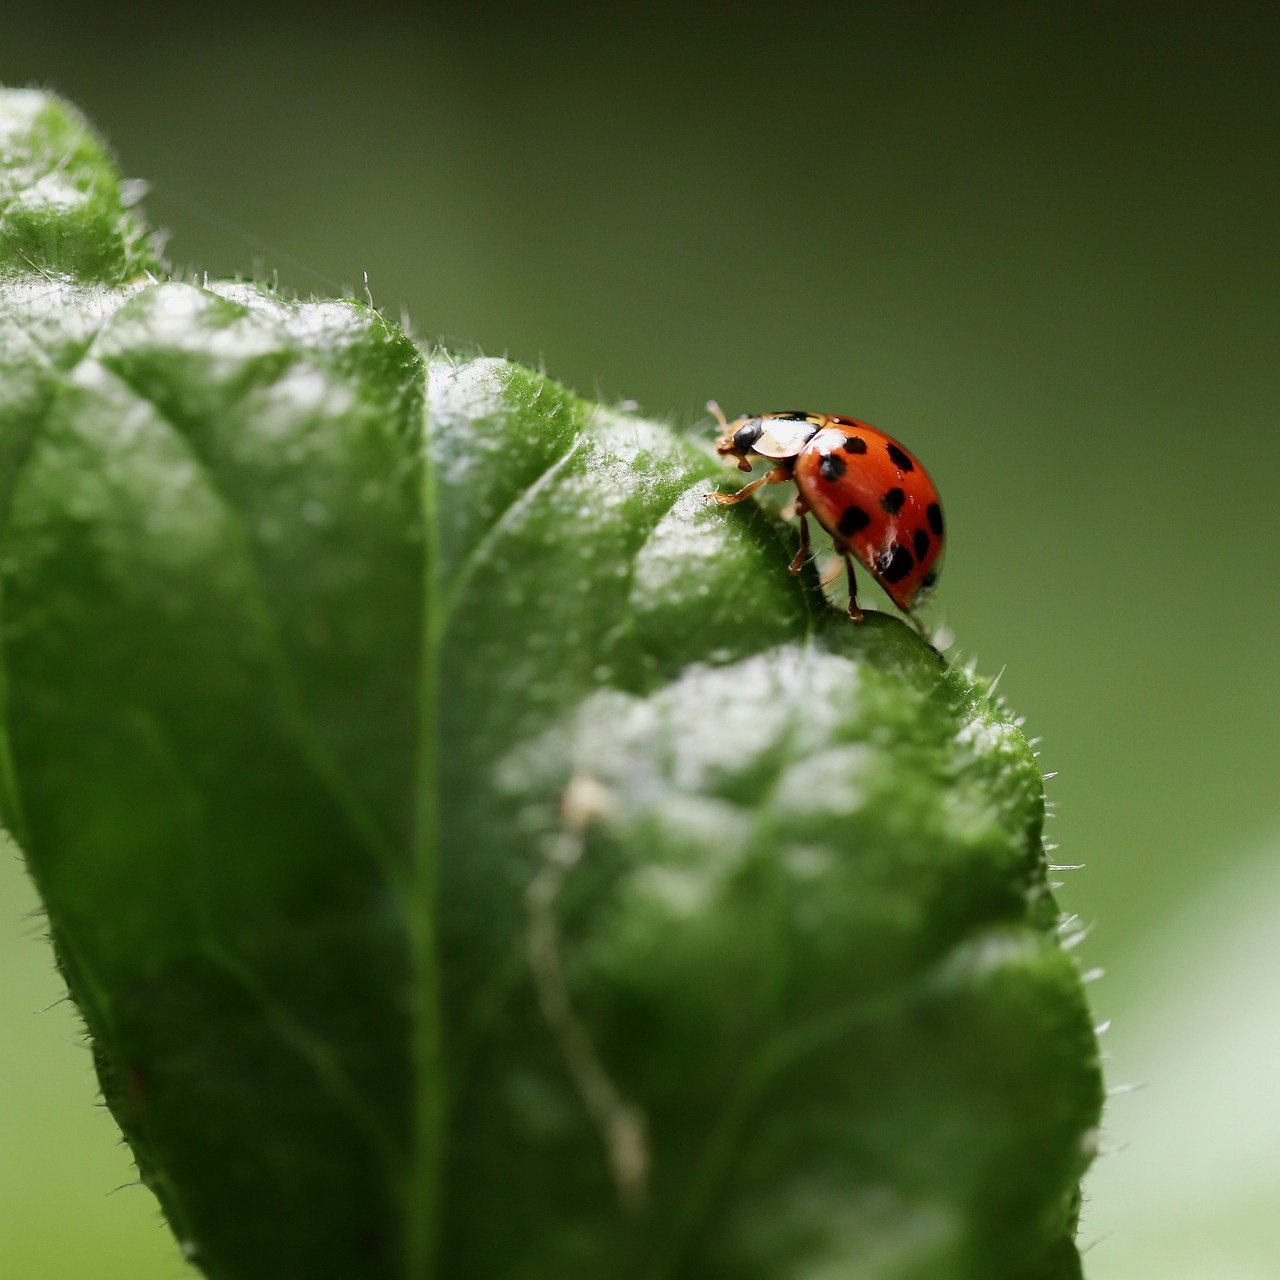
<point x="471" y="854"/>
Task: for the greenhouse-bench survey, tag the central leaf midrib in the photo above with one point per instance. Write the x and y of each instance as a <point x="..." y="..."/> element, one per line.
<point x="423" y="1184"/>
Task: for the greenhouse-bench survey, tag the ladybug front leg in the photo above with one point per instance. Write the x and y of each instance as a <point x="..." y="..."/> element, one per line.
<point x="779" y="475"/>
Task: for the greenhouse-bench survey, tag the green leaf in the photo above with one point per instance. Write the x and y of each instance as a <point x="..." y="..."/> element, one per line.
<point x="472" y="854"/>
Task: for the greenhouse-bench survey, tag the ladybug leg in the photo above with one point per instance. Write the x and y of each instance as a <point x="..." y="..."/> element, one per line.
<point x="854" y="612"/>
<point x="803" y="553"/>
<point x="728" y="499"/>
<point x="923" y="631"/>
<point x="779" y="475"/>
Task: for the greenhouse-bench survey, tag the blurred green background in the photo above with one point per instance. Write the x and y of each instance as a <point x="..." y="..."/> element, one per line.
<point x="1038" y="243"/>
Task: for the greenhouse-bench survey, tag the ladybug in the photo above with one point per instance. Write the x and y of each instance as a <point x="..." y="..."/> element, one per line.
<point x="869" y="493"/>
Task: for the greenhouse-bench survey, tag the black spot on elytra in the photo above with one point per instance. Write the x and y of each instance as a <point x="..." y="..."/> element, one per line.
<point x="898" y="458"/>
<point x="895" y="564"/>
<point x="934" y="516"/>
<point x="831" y="466"/>
<point x="854" y="444"/>
<point x="853" y="520"/>
<point x="893" y="500"/>
<point x="928" y="580"/>
<point x="921" y="541"/>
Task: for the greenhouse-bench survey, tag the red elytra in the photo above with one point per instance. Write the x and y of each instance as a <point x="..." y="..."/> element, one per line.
<point x="862" y="486"/>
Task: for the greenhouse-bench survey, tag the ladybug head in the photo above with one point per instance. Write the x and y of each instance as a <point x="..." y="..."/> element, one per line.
<point x="739" y="439"/>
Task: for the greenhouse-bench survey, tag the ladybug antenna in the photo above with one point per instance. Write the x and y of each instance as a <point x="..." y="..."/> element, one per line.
<point x="718" y="414"/>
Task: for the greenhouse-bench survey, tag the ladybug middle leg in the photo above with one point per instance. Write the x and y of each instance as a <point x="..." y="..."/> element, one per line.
<point x="802" y="554"/>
